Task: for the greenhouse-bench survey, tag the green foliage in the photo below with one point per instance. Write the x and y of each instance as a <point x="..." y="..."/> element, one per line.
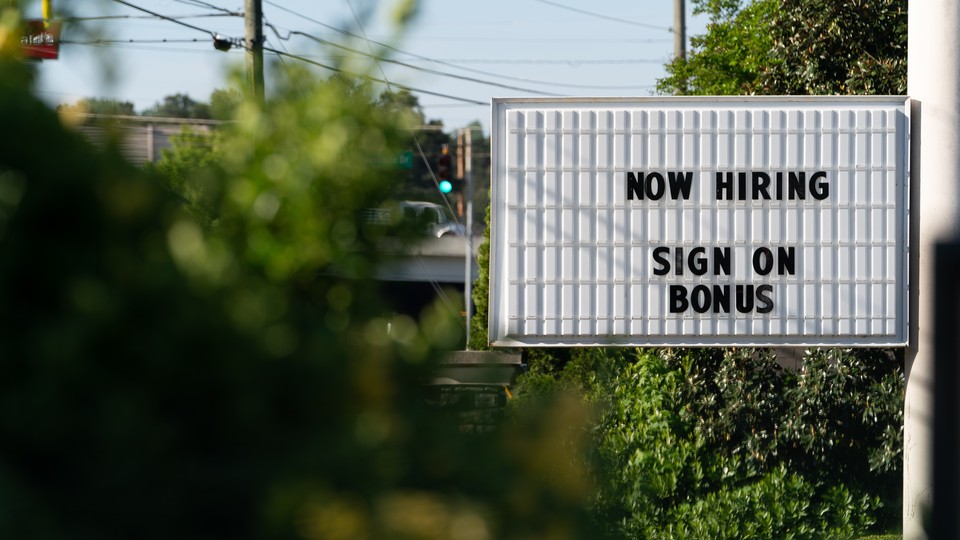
<point x="838" y="47"/>
<point x="224" y="103"/>
<point x="100" y="106"/>
<point x="168" y="377"/>
<point x="188" y="169"/>
<point x="711" y="444"/>
<point x="481" y="291"/>
<point x="795" y="47"/>
<point x="179" y="106"/>
<point x="731" y="57"/>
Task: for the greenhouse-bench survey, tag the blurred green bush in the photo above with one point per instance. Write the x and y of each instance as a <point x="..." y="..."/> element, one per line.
<point x="217" y="362"/>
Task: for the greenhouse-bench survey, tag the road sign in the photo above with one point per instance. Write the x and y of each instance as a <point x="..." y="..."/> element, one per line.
<point x="42" y="40"/>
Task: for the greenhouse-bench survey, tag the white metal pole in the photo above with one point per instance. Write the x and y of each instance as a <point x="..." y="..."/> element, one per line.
<point x="933" y="81"/>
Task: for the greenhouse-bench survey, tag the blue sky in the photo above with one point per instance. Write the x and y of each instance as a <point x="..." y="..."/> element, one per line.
<point x="509" y="48"/>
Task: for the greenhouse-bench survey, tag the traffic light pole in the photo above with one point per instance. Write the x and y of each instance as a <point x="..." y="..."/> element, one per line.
<point x="468" y="196"/>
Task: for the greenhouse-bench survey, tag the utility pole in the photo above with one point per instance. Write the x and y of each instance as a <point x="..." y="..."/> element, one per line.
<point x="933" y="83"/>
<point x="679" y="29"/>
<point x="253" y="28"/>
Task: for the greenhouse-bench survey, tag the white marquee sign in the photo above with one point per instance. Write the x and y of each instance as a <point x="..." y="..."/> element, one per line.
<point x="699" y="221"/>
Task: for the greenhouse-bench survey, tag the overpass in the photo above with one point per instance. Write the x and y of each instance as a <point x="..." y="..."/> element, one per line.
<point x="426" y="271"/>
<point x="432" y="260"/>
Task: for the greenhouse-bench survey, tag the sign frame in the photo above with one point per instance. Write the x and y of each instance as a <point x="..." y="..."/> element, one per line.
<point x="512" y="247"/>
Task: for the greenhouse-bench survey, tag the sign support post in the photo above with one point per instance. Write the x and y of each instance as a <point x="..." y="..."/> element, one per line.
<point x="933" y="82"/>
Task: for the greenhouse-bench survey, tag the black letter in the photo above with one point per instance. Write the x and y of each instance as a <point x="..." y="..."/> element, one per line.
<point x="700" y="298"/>
<point x="634" y="186"/>
<point x="821" y="190"/>
<point x="742" y="180"/>
<point x="662" y="187"/>
<point x="721" y="299"/>
<point x="797" y="189"/>
<point x="724" y="187"/>
<point x="698" y="263"/>
<point x="678" y="299"/>
<point x="721" y="261"/>
<point x="762" y="261"/>
<point x="761" y="182"/>
<point x="764" y="301"/>
<point x="680" y="183"/>
<point x="658" y="256"/>
<point x="786" y="260"/>
<point x="744" y="298"/>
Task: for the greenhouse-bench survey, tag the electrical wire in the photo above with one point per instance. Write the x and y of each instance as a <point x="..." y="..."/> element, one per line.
<point x="588" y="61"/>
<point x="379" y="59"/>
<point x="537" y="81"/>
<point x="165" y="17"/>
<point x="302" y="58"/>
<point x="134" y="47"/>
<point x="116" y="41"/>
<point x="447" y="62"/>
<point x="200" y="3"/>
<point x="373" y="79"/>
<point x="111" y="17"/>
<point x="605" y="17"/>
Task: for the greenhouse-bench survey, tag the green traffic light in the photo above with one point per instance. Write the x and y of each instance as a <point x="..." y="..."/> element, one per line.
<point x="445" y="186"/>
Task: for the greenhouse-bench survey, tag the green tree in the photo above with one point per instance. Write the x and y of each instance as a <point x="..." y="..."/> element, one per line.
<point x="188" y="170"/>
<point x="224" y="103"/>
<point x="100" y="106"/>
<point x="835" y="47"/>
<point x="798" y="47"/>
<point x="162" y="378"/>
<point x="179" y="106"/>
<point x="731" y="56"/>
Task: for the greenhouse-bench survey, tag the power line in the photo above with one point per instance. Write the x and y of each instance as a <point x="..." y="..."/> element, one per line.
<point x="513" y="39"/>
<point x="605" y="17"/>
<point x="200" y="3"/>
<point x="373" y="79"/>
<point x="426" y="70"/>
<point x="470" y="79"/>
<point x="304" y="59"/>
<point x="165" y="17"/>
<point x="573" y="62"/>
<point x="533" y="81"/>
<point x="118" y="41"/>
<point x="135" y="47"/>
<point x="452" y="63"/>
<point x="111" y="17"/>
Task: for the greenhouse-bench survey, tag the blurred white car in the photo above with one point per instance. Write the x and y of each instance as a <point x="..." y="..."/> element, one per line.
<point x="430" y="216"/>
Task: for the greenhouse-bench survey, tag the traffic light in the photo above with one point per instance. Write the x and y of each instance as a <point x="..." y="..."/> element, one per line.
<point x="443" y="165"/>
